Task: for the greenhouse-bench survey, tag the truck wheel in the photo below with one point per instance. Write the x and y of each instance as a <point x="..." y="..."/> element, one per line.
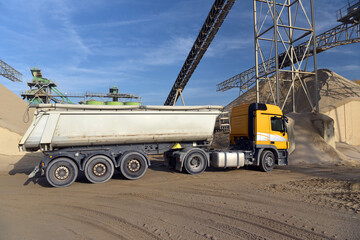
<point x="61" y="172"/>
<point x="267" y="161"/>
<point x="133" y="165"/>
<point x="99" y="169"/>
<point x="195" y="162"/>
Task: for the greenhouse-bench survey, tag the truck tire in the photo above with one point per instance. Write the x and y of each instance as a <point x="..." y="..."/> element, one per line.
<point x="195" y="162"/>
<point x="99" y="169"/>
<point x="267" y="161"/>
<point x="133" y="165"/>
<point x="61" y="172"/>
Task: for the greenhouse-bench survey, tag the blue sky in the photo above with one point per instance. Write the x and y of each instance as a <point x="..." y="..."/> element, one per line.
<point x="140" y="46"/>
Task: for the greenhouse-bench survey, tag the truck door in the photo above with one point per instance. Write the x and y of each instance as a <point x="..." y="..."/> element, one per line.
<point x="278" y="134"/>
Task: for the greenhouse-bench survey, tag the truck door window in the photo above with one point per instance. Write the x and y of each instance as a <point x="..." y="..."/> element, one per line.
<point x="277" y="124"/>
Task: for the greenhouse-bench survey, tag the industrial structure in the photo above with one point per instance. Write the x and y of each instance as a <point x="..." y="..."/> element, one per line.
<point x="345" y="33"/>
<point x="9" y="72"/>
<point x="43" y="90"/>
<point x="278" y="26"/>
<point x="213" y="22"/>
<point x="285" y="41"/>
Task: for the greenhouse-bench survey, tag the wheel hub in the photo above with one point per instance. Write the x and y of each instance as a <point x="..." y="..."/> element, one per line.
<point x="134" y="165"/>
<point x="195" y="162"/>
<point x="99" y="169"/>
<point x="269" y="161"/>
<point x="62" y="172"/>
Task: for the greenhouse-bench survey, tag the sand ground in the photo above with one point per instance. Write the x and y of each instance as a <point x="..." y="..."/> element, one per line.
<point x="292" y="202"/>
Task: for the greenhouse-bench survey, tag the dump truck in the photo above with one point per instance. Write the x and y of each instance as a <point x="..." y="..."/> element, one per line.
<point x="97" y="140"/>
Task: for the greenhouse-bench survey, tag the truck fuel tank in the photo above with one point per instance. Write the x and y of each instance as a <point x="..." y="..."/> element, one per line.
<point x="224" y="159"/>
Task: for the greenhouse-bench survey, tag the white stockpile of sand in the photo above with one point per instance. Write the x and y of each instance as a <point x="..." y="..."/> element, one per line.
<point x="12" y="122"/>
<point x="8" y="142"/>
<point x="311" y="147"/>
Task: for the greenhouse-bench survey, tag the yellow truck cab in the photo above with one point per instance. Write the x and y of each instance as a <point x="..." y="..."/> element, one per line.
<point x="260" y="129"/>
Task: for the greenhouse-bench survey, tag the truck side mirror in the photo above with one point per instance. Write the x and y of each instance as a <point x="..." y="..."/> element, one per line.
<point x="285" y="120"/>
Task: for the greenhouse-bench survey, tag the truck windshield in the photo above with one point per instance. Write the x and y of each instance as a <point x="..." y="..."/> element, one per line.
<point x="277" y="124"/>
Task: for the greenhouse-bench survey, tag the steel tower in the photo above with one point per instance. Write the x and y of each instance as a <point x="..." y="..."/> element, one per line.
<point x="278" y="27"/>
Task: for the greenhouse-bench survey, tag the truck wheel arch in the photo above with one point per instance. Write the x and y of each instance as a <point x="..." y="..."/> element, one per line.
<point x="268" y="160"/>
<point x="260" y="150"/>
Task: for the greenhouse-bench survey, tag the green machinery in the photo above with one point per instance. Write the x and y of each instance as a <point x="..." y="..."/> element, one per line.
<point x="43" y="90"/>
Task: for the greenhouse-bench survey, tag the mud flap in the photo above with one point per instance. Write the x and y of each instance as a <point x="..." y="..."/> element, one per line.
<point x="33" y="173"/>
<point x="179" y="166"/>
<point x="282" y="161"/>
<point x="179" y="156"/>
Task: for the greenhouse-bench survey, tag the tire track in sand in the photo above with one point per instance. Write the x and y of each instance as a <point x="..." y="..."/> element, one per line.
<point x="331" y="193"/>
<point x="268" y="224"/>
<point x="110" y="221"/>
<point x="230" y="231"/>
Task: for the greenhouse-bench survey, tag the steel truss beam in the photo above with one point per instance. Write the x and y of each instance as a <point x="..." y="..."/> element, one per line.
<point x="9" y="72"/>
<point x="213" y="22"/>
<point x="342" y="34"/>
<point x="44" y="92"/>
<point x="80" y="95"/>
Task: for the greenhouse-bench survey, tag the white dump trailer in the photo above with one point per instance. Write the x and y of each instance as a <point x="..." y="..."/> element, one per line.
<point x="59" y="126"/>
<point x="97" y="139"/>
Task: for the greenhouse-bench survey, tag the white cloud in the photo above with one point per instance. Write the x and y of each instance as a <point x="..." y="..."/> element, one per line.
<point x="342" y="50"/>
<point x="112" y="24"/>
<point x="224" y="45"/>
<point x="61" y="11"/>
<point x="171" y="51"/>
<point x="350" y="67"/>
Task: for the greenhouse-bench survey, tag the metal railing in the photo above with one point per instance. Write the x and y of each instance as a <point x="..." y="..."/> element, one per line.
<point x="345" y="13"/>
